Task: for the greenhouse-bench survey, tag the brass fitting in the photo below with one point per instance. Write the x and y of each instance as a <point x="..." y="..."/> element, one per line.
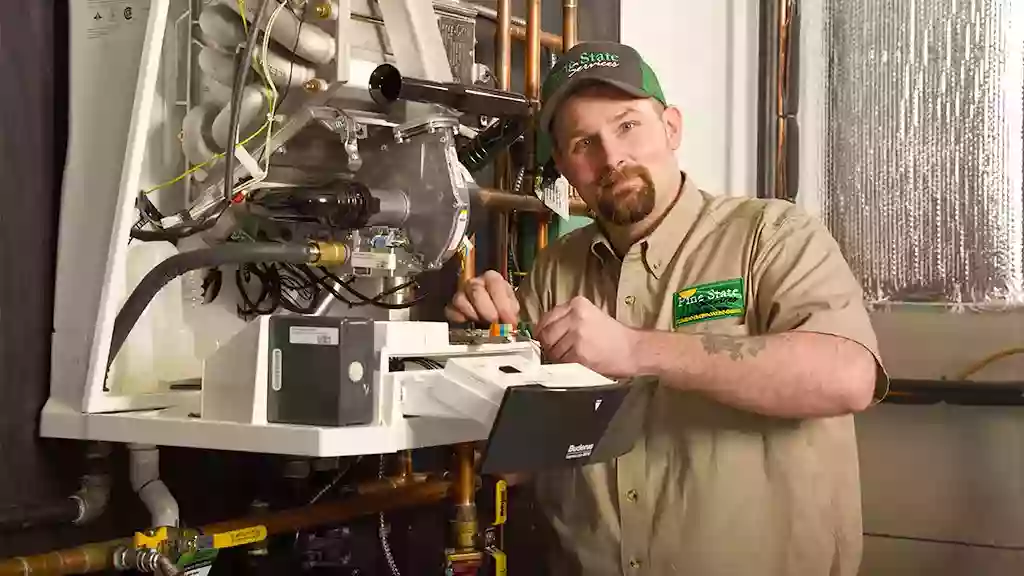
<point x="330" y="253"/>
<point x="315" y="85"/>
<point x="323" y="10"/>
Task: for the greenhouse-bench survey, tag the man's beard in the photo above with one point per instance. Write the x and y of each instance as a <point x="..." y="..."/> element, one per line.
<point x="621" y="202"/>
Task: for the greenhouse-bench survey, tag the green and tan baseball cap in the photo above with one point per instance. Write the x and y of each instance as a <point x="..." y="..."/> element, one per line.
<point x="610" y="62"/>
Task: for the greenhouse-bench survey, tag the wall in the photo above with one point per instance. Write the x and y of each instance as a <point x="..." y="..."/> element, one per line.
<point x="705" y="56"/>
<point x="943" y="486"/>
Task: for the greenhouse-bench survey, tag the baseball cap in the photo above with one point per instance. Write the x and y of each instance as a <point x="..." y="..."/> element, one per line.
<point x="609" y="62"/>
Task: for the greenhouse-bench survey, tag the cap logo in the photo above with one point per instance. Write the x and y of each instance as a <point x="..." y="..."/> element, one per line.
<point x="584" y="61"/>
<point x="588" y="60"/>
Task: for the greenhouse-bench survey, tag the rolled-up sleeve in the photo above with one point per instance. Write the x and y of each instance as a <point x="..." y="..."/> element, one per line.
<point x="802" y="282"/>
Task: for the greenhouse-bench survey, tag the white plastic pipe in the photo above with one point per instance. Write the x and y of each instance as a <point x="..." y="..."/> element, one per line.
<point x="217" y="65"/>
<point x="284" y="71"/>
<point x="197" y="134"/>
<point x="313" y="44"/>
<point x="222" y="26"/>
<point x="251" y="117"/>
<point x="145" y="478"/>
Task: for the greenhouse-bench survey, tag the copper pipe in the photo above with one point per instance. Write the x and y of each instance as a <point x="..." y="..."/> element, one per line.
<point x="507" y="201"/>
<point x="503" y="72"/>
<point x="570" y="34"/>
<point x="547" y="39"/>
<point x="467" y="269"/>
<point x="330" y="512"/>
<point x="81" y="560"/>
<point x="464" y="526"/>
<point x="465" y="483"/>
<point x="532" y="85"/>
<point x="99" y="556"/>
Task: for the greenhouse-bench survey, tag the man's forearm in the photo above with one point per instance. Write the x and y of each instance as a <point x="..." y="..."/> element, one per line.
<point x="788" y="375"/>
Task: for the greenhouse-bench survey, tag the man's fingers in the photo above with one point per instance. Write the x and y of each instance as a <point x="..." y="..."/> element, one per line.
<point x="481" y="301"/>
<point x="560" y="350"/>
<point x="504" y="298"/>
<point x="461" y="309"/>
<point x="553" y="332"/>
<point x="552" y="316"/>
<point x="454" y="315"/>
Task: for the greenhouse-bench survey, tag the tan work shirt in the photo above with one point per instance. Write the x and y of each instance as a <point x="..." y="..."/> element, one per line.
<point x="710" y="490"/>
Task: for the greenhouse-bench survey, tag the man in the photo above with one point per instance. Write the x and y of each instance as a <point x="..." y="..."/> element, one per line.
<point x="743" y="309"/>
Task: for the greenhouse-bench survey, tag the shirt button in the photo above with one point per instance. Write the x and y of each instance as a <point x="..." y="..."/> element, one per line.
<point x="630" y="300"/>
<point x="632" y="496"/>
<point x="634" y="563"/>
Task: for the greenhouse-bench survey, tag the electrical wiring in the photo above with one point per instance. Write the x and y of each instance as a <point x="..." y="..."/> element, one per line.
<point x="987" y="361"/>
<point x="377" y="300"/>
<point x="199" y="167"/>
<point x="243" y="61"/>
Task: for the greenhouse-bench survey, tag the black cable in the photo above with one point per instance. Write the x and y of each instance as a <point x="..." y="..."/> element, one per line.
<point x="171" y="268"/>
<point x="945" y="541"/>
<point x="242" y="63"/>
<point x="377" y="300"/>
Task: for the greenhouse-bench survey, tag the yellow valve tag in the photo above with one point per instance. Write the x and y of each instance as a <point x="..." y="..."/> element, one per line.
<point x="500" y="502"/>
<point x="500" y="561"/>
<point x="240" y="537"/>
<point x="153" y="540"/>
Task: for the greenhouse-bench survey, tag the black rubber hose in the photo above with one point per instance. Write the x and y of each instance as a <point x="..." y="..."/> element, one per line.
<point x="179" y="264"/>
<point x="58" y="513"/>
<point x="241" y="77"/>
<point x="482" y="150"/>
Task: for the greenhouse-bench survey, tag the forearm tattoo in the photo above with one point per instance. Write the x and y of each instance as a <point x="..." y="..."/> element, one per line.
<point x="738" y="348"/>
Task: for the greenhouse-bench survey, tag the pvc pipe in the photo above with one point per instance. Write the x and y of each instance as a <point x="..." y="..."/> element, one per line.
<point x="197" y="134"/>
<point x="217" y="65"/>
<point x="222" y="26"/>
<point x="313" y="44"/>
<point x="284" y="70"/>
<point x="252" y="111"/>
<point x="145" y="479"/>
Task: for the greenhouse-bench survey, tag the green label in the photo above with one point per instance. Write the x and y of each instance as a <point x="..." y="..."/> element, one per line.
<point x="709" y="301"/>
<point x="197" y="563"/>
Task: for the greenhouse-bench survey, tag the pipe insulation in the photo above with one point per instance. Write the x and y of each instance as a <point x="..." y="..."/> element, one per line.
<point x="917" y="143"/>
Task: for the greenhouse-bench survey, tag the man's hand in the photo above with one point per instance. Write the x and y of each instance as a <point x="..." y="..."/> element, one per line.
<point x="487" y="298"/>
<point x="578" y="331"/>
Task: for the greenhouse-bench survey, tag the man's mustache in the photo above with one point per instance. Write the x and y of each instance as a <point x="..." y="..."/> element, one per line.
<point x="615" y="175"/>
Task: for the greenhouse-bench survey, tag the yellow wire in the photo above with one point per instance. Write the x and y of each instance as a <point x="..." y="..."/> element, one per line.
<point x="241" y="11"/>
<point x="198" y="167"/>
<point x="987" y="361"/>
<point x="266" y="125"/>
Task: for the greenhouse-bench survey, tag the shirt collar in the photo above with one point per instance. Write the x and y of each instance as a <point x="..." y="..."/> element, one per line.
<point x="663" y="242"/>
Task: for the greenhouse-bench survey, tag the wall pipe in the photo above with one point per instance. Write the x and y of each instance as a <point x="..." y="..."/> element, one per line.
<point x="517" y="27"/>
<point x="145" y="478"/>
<point x="532" y="84"/>
<point x="500" y="200"/>
<point x="99" y="556"/>
<point x="82" y="507"/>
<point x="464" y="525"/>
<point x="503" y="73"/>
